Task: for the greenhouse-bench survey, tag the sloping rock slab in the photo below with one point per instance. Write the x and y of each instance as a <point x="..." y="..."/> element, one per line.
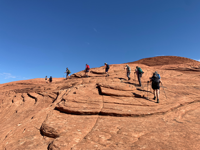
<point x="111" y="92"/>
<point x="67" y="130"/>
<point x="117" y="86"/>
<point x="81" y="100"/>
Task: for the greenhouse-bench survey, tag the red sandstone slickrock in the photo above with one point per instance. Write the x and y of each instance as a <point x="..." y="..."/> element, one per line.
<point x="105" y="113"/>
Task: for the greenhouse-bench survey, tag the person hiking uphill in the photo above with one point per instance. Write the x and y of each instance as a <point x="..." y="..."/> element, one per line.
<point x="107" y="67"/>
<point x="128" y="71"/>
<point x="50" y="79"/>
<point x="158" y="75"/>
<point x="139" y="73"/>
<point x="87" y="69"/>
<point x="46" y="79"/>
<point x="155" y="85"/>
<point x="67" y="72"/>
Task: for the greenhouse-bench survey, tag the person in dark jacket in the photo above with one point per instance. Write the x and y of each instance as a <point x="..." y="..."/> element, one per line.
<point x="67" y="72"/>
<point x="155" y="85"/>
<point x="50" y="79"/>
<point x="107" y="67"/>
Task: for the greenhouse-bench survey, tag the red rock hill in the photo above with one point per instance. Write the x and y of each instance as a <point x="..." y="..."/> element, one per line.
<point x="164" y="60"/>
<point x="104" y="113"/>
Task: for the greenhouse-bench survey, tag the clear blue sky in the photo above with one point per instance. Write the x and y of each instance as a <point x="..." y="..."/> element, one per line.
<point x="43" y="37"/>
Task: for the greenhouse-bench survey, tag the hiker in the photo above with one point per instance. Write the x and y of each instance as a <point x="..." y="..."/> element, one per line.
<point x="155" y="85"/>
<point x="67" y="72"/>
<point x="107" y="67"/>
<point x="87" y="69"/>
<point x="46" y="78"/>
<point x="139" y="73"/>
<point x="128" y="71"/>
<point x="50" y="79"/>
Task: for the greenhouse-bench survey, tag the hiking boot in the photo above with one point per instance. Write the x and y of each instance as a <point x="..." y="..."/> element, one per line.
<point x="129" y="78"/>
<point x="154" y="97"/>
<point x="157" y="100"/>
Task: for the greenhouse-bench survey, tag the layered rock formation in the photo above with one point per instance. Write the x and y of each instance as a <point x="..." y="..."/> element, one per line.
<point x="104" y="112"/>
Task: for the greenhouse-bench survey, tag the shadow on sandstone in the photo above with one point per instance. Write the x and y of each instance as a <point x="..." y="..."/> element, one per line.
<point x="131" y="83"/>
<point x="94" y="72"/>
<point x="143" y="97"/>
<point x="121" y="78"/>
<point x="143" y="90"/>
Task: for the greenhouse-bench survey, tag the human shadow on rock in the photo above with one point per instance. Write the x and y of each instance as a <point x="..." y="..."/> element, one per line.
<point x="122" y="78"/>
<point x="131" y="83"/>
<point x="143" y="97"/>
<point x="94" y="72"/>
<point x="143" y="90"/>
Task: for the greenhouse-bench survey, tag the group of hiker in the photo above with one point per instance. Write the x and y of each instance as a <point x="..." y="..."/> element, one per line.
<point x="155" y="79"/>
<point x="138" y="72"/>
<point x="87" y="69"/>
<point x="50" y="79"/>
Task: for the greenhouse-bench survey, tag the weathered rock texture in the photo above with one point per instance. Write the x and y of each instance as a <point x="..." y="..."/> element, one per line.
<point x="105" y="113"/>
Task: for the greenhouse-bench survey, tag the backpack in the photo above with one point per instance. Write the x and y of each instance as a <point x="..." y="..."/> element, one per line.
<point x="68" y="71"/>
<point x="155" y="80"/>
<point x="129" y="69"/>
<point x="107" y="66"/>
<point x="158" y="76"/>
<point x="140" y="70"/>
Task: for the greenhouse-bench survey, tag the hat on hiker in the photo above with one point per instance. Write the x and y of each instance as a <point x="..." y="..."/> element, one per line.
<point x="126" y="65"/>
<point x="105" y="63"/>
<point x="156" y="72"/>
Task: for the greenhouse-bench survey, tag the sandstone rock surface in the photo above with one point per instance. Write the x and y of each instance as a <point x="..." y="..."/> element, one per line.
<point x="105" y="113"/>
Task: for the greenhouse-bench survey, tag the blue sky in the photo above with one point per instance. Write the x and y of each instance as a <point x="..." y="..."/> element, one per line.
<point x="43" y="37"/>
